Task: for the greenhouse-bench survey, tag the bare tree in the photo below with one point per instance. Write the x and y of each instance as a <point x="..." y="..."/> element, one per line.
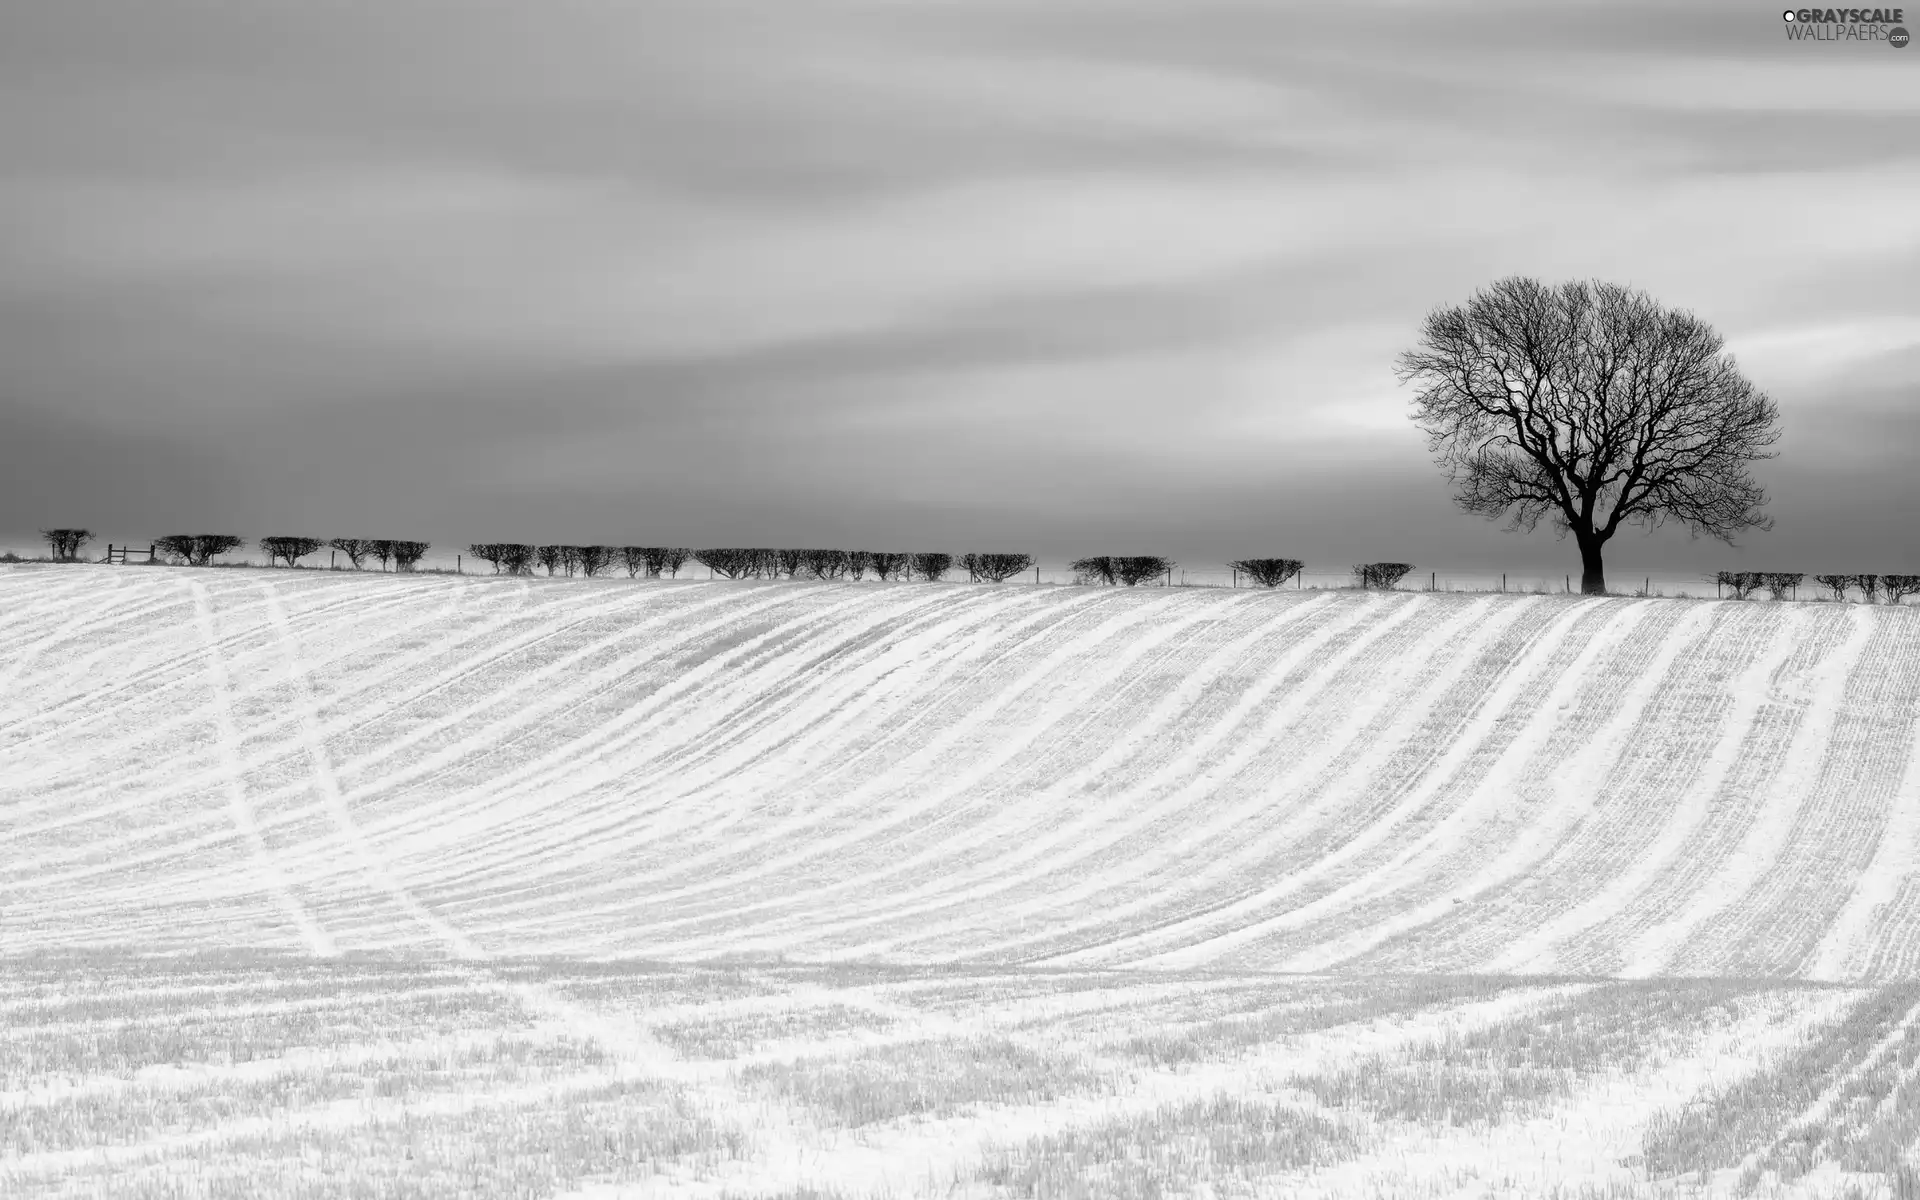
<point x="1381" y="575"/>
<point x="859" y="562"/>
<point x="491" y="552"/>
<point x="1591" y="405"/>
<point x="358" y="548"/>
<point x="1869" y="586"/>
<point x="548" y="557"/>
<point x="178" y="547"/>
<point x="382" y="550"/>
<point x="728" y="563"/>
<point x="1267" y="572"/>
<point x="1836" y="584"/>
<point x="824" y="564"/>
<point x="1743" y="583"/>
<point x="994" y="568"/>
<point x="66" y="543"/>
<point x="407" y="554"/>
<point x="784" y="563"/>
<point x="931" y="565"/>
<point x="637" y="559"/>
<point x="517" y="558"/>
<point x="1087" y="570"/>
<point x="1899" y="587"/>
<point x="1136" y="569"/>
<point x="1779" y="583"/>
<point x="289" y="548"/>
<point x="889" y="564"/>
<point x="673" y="558"/>
<point x="593" y="559"/>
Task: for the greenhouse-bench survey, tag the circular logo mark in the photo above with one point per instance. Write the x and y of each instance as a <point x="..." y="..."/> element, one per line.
<point x="1898" y="36"/>
<point x="1787" y="15"/>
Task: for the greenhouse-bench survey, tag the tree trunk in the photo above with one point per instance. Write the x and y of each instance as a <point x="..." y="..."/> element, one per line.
<point x="1593" y="579"/>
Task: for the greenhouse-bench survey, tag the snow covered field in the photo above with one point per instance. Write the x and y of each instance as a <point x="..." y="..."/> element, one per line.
<point x="436" y="886"/>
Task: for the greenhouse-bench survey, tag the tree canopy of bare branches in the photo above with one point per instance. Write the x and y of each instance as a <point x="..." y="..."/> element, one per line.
<point x="931" y="565"/>
<point x="289" y="548"/>
<point x="1381" y="575"/>
<point x="196" y="549"/>
<point x="66" y="543"/>
<point x="1267" y="572"/>
<point x="1593" y="406"/>
<point x="358" y="548"/>
<point x="994" y="568"/>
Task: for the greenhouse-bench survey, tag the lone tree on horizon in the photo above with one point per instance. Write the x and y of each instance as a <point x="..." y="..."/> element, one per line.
<point x="1592" y="405"/>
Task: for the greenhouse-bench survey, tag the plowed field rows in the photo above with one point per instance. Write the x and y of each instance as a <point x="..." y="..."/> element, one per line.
<point x="427" y="886"/>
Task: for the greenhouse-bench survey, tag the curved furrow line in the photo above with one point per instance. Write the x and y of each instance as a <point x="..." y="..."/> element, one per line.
<point x="684" y="805"/>
<point x="1217" y="892"/>
<point x="1367" y="832"/>
<point x="1689" y="895"/>
<point x="1474" y="802"/>
<point x="926" y="762"/>
<point x="132" y="768"/>
<point x="1795" y="792"/>
<point x="121" y="629"/>
<point x="712" y="742"/>
<point x="1177" y="860"/>
<point x="123" y="857"/>
<point x="262" y="867"/>
<point x="738" y="707"/>
<point x="851" y="837"/>
<point x="364" y="646"/>
<point x="1558" y="814"/>
<point x="1710" y="726"/>
<point x="1014" y="806"/>
<point x="772" y="833"/>
<point x="1003" y="865"/>
<point x="45" y="600"/>
<point x="313" y="744"/>
<point x="1368" y="801"/>
<point x="14" y="661"/>
<point x="737" y="778"/>
<point x="1617" y="848"/>
<point x="1847" y="812"/>
<point x="1857" y="937"/>
<point x="170" y="671"/>
<point x="359" y="720"/>
<point x="486" y="803"/>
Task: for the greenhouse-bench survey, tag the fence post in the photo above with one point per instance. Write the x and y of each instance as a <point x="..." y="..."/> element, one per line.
<point x="1568" y="579"/>
<point x="1036" y="575"/>
<point x="459" y="568"/>
<point x="1646" y="586"/>
<point x="1503" y="581"/>
<point x="333" y="559"/>
<point x="1430" y="577"/>
<point x="1169" y="576"/>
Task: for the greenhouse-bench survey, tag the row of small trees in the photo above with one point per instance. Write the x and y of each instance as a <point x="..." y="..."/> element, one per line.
<point x="1779" y="583"/>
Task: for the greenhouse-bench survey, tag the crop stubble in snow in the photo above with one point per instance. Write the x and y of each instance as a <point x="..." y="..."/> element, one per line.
<point x="451" y="886"/>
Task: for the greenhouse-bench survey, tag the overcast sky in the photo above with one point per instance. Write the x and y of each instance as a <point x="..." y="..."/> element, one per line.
<point x="1061" y="276"/>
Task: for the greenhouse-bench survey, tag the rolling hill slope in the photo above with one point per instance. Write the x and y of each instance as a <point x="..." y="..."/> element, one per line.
<point x="1069" y="777"/>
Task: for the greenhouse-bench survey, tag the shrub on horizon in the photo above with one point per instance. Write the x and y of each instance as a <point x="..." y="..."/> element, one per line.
<point x="289" y="548"/>
<point x="1088" y="570"/>
<point x="1899" y="587"/>
<point x="65" y="543"/>
<point x="356" y="548"/>
<point x="592" y="559"/>
<point x="1381" y="575"/>
<point x="994" y="568"/>
<point x="931" y="565"/>
<point x="727" y="563"/>
<point x="1267" y="572"/>
<point x="1136" y="569"/>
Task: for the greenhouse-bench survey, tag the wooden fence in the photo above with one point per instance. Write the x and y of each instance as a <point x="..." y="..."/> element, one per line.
<point x="119" y="554"/>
